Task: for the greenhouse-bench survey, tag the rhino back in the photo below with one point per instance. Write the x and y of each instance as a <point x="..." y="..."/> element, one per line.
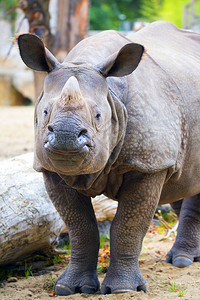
<point x="97" y="47"/>
<point x="176" y="51"/>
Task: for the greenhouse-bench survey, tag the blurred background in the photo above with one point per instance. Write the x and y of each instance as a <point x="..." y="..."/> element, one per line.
<point x="62" y="24"/>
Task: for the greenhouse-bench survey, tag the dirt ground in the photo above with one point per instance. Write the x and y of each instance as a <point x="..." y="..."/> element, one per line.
<point x="165" y="282"/>
<point x="16" y="135"/>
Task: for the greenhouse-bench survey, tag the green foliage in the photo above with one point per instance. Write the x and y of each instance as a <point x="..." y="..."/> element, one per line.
<point x="149" y="10"/>
<point x="108" y="14"/>
<point x="7" y="7"/>
<point x="102" y="17"/>
<point x="172" y="11"/>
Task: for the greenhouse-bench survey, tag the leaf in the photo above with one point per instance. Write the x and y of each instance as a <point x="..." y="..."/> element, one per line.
<point x="53" y="294"/>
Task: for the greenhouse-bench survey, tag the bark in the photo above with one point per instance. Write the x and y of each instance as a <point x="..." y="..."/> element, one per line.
<point x="37" y="14"/>
<point x="71" y="28"/>
<point x="28" y="220"/>
<point x="104" y="208"/>
<point x="72" y="24"/>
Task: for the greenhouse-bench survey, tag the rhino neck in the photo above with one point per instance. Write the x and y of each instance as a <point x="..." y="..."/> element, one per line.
<point x="94" y="184"/>
<point x="116" y="99"/>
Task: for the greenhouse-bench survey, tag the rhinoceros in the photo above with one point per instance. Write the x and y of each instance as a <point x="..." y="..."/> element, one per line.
<point x="121" y="117"/>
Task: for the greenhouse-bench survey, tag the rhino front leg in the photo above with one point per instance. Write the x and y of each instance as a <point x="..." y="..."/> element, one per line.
<point x="77" y="212"/>
<point x="138" y="200"/>
<point x="186" y="248"/>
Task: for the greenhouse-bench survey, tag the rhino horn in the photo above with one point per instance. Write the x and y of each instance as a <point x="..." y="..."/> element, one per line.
<point x="71" y="93"/>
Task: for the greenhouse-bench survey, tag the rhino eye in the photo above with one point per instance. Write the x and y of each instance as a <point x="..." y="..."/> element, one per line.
<point x="98" y="116"/>
<point x="45" y="112"/>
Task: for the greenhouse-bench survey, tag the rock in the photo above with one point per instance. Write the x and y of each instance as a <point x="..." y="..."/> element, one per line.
<point x="23" y="82"/>
<point x="16" y="87"/>
<point x="8" y="95"/>
<point x="16" y="81"/>
<point x="29" y="294"/>
<point x="12" y="279"/>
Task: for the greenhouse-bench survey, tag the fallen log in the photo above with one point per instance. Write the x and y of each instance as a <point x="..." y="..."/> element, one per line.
<point x="28" y="219"/>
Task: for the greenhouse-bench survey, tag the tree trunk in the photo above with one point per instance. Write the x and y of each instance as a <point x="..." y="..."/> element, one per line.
<point x="72" y="24"/>
<point x="28" y="220"/>
<point x="37" y="14"/>
<point x="72" y="27"/>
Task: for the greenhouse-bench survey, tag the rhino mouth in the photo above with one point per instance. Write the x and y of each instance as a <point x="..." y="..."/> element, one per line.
<point x="58" y="154"/>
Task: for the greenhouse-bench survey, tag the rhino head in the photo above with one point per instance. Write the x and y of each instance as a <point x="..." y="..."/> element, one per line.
<point x="76" y="120"/>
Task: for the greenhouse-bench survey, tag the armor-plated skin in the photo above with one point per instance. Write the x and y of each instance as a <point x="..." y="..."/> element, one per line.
<point x="108" y="123"/>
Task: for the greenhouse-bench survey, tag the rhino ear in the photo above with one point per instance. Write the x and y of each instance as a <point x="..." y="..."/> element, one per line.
<point x="34" y="54"/>
<point x="123" y="63"/>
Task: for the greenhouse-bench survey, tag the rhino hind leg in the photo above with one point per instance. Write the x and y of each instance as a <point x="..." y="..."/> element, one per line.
<point x="77" y="212"/>
<point x="186" y="248"/>
<point x="177" y="206"/>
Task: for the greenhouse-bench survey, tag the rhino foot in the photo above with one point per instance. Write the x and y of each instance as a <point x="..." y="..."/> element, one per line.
<point x="114" y="284"/>
<point x="186" y="248"/>
<point x="180" y="260"/>
<point x="72" y="282"/>
<point x="63" y="290"/>
<point x="107" y="290"/>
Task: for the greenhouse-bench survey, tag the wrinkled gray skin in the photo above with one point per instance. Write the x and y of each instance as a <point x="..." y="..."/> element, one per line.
<point x="106" y="123"/>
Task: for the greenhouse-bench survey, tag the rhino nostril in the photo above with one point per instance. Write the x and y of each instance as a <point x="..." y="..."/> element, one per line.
<point x="50" y="128"/>
<point x="82" y="132"/>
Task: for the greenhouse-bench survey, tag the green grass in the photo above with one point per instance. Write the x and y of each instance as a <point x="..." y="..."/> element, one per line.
<point x="104" y="241"/>
<point x="101" y="268"/>
<point x="60" y="258"/>
<point x="50" y="283"/>
<point x="182" y="292"/>
<point x="173" y="287"/>
<point x="27" y="271"/>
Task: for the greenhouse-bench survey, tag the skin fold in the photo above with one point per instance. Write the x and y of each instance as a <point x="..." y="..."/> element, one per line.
<point x="120" y="117"/>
